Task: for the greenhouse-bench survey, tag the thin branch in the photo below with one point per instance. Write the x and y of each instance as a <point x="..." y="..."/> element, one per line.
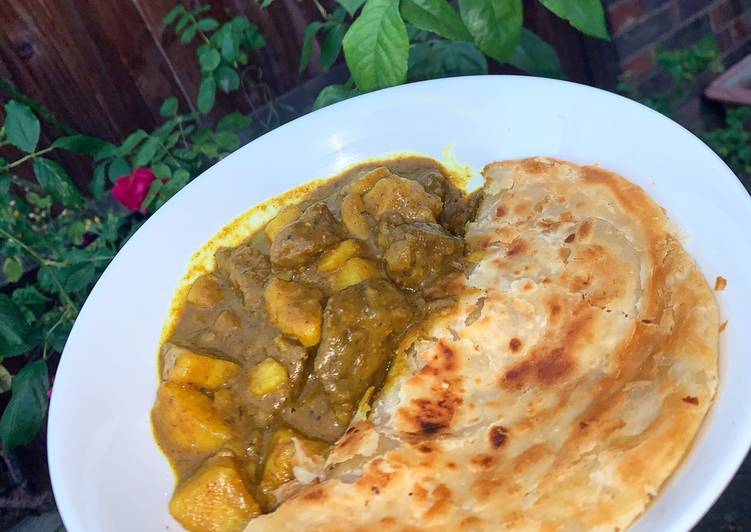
<point x="26" y="158"/>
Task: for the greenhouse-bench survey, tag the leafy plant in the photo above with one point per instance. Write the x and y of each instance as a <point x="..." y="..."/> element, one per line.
<point x="733" y="142"/>
<point x="683" y="66"/>
<point x="388" y="42"/>
<point x="56" y="239"/>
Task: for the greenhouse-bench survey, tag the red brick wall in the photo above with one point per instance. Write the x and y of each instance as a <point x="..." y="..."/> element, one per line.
<point x="638" y="26"/>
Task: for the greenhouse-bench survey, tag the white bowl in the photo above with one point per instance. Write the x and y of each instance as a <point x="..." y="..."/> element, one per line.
<point x="107" y="472"/>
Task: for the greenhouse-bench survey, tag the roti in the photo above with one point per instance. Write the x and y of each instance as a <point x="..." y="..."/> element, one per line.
<point x="560" y="391"/>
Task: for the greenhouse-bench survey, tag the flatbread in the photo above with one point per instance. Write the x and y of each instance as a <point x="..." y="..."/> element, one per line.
<point x="559" y="393"/>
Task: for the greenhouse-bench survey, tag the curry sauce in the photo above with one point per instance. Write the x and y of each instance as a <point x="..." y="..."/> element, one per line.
<point x="274" y="350"/>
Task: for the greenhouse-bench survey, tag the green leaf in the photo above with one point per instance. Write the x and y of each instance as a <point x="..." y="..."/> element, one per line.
<point x="96" y="185"/>
<point x="43" y="202"/>
<point x="266" y="3"/>
<point x="83" y="144"/>
<point x="332" y="45"/>
<point x="229" y="46"/>
<point x="29" y="296"/>
<point x="184" y="21"/>
<point x="227" y="78"/>
<point x="131" y="142"/>
<point x="21" y="126"/>
<point x="4" y="183"/>
<point x="169" y="107"/>
<point x="208" y="24"/>
<point x="172" y="15"/>
<point x="227" y="140"/>
<point x="154" y="189"/>
<point x="535" y="56"/>
<point x="233" y="122"/>
<point x="351" y="6"/>
<point x="240" y="24"/>
<point x="119" y="168"/>
<point x="162" y="171"/>
<point x="12" y="269"/>
<point x="188" y="34"/>
<point x="206" y="95"/>
<point x="436" y="16"/>
<point x="333" y="94"/>
<point x="14" y="329"/>
<point x="6" y="379"/>
<point x="440" y="59"/>
<point x="209" y="58"/>
<point x="55" y="182"/>
<point x="307" y="44"/>
<point x="25" y="412"/>
<point x="376" y="46"/>
<point x="587" y="16"/>
<point x="146" y="152"/>
<point x="495" y="25"/>
<point x="78" y="278"/>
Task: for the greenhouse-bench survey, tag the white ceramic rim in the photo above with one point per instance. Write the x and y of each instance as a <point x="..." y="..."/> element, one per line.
<point x="560" y="133"/>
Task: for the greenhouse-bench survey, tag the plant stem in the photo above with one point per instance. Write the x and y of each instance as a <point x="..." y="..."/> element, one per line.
<point x="24" y="183"/>
<point x="26" y="158"/>
<point x="321" y="9"/>
<point x="47" y="335"/>
<point x="43" y="262"/>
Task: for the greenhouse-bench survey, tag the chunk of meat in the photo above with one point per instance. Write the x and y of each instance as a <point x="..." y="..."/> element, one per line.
<point x="214" y="499"/>
<point x="300" y="242"/>
<point x="399" y="195"/>
<point x="419" y="253"/>
<point x="296" y="309"/>
<point x="360" y="325"/>
<point x="183" y="366"/>
<point x="247" y="269"/>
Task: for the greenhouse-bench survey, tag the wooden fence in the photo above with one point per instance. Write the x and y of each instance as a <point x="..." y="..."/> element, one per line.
<point x="105" y="66"/>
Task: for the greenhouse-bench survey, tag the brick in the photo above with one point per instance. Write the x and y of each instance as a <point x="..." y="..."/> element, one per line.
<point x="645" y="31"/>
<point x="690" y="33"/>
<point x="721" y="14"/>
<point x="624" y="14"/>
<point x="640" y="64"/>
<point x="689" y="8"/>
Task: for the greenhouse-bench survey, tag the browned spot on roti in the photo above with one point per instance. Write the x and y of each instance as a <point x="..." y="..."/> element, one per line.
<point x="433" y="413"/>
<point x="315" y="495"/>
<point x="583" y="425"/>
<point x="500" y="211"/>
<point x="585" y="229"/>
<point x="720" y="283"/>
<point x="515" y="344"/>
<point x="690" y="399"/>
<point x="517" y="247"/>
<point x="441" y="506"/>
<point x="498" y="436"/>
<point x="723" y="325"/>
<point x="570" y="238"/>
<point x="484" y="461"/>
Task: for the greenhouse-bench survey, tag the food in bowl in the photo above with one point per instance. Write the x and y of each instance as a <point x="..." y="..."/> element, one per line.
<point x="392" y="352"/>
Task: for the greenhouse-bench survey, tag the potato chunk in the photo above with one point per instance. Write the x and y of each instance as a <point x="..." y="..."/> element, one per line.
<point x="367" y="180"/>
<point x="331" y="260"/>
<point x="354" y="216"/>
<point x="205" y="292"/>
<point x="183" y="366"/>
<point x="280" y="461"/>
<point x="266" y="377"/>
<point x="402" y="196"/>
<point x="286" y="216"/>
<point x="296" y="309"/>
<point x="186" y="421"/>
<point x="214" y="499"/>
<point x="355" y="270"/>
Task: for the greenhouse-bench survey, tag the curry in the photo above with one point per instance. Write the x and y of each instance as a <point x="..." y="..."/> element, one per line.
<point x="294" y="332"/>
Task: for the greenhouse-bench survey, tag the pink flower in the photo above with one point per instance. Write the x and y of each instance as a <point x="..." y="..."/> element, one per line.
<point x="132" y="189"/>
